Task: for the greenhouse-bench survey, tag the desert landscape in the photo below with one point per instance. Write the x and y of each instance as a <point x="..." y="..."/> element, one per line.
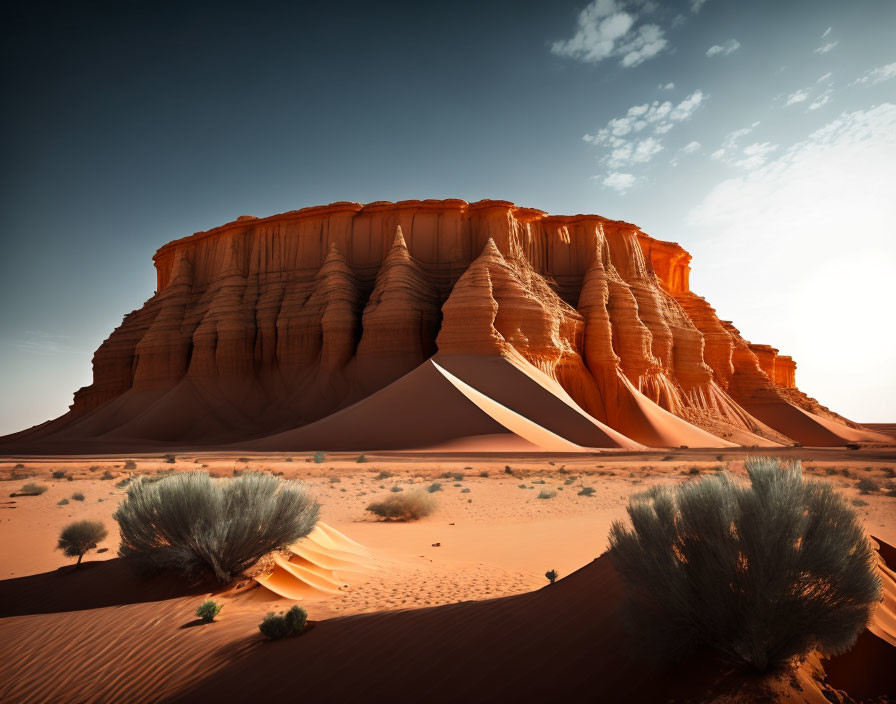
<point x="472" y="394"/>
<point x="554" y="362"/>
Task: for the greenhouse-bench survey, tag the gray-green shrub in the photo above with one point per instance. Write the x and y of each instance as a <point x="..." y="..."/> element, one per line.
<point x="208" y="609"/>
<point x="283" y="625"/>
<point x="761" y="573"/>
<point x="32" y="489"/>
<point x="79" y="537"/>
<point x="192" y="523"/>
<point x="404" y="506"/>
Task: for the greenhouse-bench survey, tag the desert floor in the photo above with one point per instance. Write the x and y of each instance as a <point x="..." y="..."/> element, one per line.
<point x="490" y="537"/>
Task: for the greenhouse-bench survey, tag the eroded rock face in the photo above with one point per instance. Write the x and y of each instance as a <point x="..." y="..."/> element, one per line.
<point x="268" y="324"/>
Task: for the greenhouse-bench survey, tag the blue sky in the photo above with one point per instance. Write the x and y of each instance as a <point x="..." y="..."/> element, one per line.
<point x="761" y="136"/>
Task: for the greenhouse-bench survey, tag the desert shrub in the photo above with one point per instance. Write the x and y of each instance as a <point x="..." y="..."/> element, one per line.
<point x="434" y="487"/>
<point x="79" y="537"/>
<point x="396" y="488"/>
<point x="586" y="491"/>
<point x="569" y="480"/>
<point x="192" y="523"/>
<point x="78" y="496"/>
<point x="539" y="481"/>
<point x="383" y="475"/>
<point x="62" y="502"/>
<point x="464" y="491"/>
<point x="283" y="625"/>
<point x="507" y="469"/>
<point x="457" y="476"/>
<point x="130" y="464"/>
<point x="319" y="457"/>
<point x="761" y="573"/>
<point x="170" y="459"/>
<point x="406" y="506"/>
<point x="361" y="459"/>
<point x="866" y="485"/>
<point x="58" y="474"/>
<point x="859" y="502"/>
<point x="207" y="610"/>
<point x="889" y="472"/>
<point x="546" y="494"/>
<point x="288" y="459"/>
<point x="335" y="480"/>
<point x="123" y="483"/>
<point x="107" y="475"/>
<point x="32" y="489"/>
<point x="521" y="486"/>
<point x="852" y="446"/>
<point x="551" y="575"/>
<point x="484" y="474"/>
<point x="19" y="465"/>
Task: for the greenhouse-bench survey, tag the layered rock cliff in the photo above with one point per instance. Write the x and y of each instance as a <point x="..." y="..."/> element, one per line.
<point x="263" y="326"/>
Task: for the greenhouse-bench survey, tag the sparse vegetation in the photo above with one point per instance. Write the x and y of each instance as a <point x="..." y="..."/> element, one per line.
<point x="586" y="491"/>
<point x="62" y="502"/>
<point x="208" y="610"/>
<point x="170" y="459"/>
<point x="32" y="489"/>
<point x="284" y="625"/>
<point x="464" y="491"/>
<point x="457" y="476"/>
<point x="396" y="489"/>
<point x="190" y="523"/>
<point x="484" y="473"/>
<point x="383" y="475"/>
<point x="406" y="506"/>
<point x="107" y="475"/>
<point x="762" y="573"/>
<point x="866" y="485"/>
<point x="434" y="487"/>
<point x="361" y="459"/>
<point x="79" y="537"/>
<point x="319" y="457"/>
<point x="78" y="496"/>
<point x="130" y="464"/>
<point x="551" y="575"/>
<point x="58" y="474"/>
<point x="547" y="494"/>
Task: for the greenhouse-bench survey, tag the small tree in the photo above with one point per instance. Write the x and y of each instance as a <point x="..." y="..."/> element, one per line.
<point x="207" y="610"/>
<point x="762" y="574"/>
<point x="79" y="537"/>
<point x="551" y="575"/>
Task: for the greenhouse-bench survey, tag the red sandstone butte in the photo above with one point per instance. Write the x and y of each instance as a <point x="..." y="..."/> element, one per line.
<point x="432" y="324"/>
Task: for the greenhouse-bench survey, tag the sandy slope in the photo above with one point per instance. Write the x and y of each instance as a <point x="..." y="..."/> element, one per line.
<point x="492" y="636"/>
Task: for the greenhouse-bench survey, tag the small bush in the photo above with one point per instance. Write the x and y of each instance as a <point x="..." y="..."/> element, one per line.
<point x="434" y="487"/>
<point x="507" y="469"/>
<point x="319" y="457"/>
<point x="866" y="485"/>
<point x="288" y="459"/>
<point x="284" y="625"/>
<point x="59" y="474"/>
<point x="191" y="523"/>
<point x="859" y="502"/>
<point x="123" y="483"/>
<point x="78" y="496"/>
<point x="406" y="506"/>
<point x="79" y="537"/>
<point x="62" y="502"/>
<point x="586" y="491"/>
<point x="552" y="575"/>
<point x="521" y="486"/>
<point x="335" y="480"/>
<point x="484" y="473"/>
<point x="383" y="475"/>
<point x="170" y="459"/>
<point x="464" y="491"/>
<point x="32" y="489"/>
<point x="457" y="476"/>
<point x="107" y="475"/>
<point x="361" y="459"/>
<point x="244" y="460"/>
<point x="762" y="573"/>
<point x="546" y="494"/>
<point x="396" y="488"/>
<point x="207" y="610"/>
<point x="130" y="464"/>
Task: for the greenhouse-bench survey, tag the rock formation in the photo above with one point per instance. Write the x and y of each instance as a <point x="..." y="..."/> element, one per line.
<point x="435" y="323"/>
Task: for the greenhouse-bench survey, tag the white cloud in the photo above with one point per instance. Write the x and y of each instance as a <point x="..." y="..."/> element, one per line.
<point x="877" y="75"/>
<point x="825" y="48"/>
<point x="609" y="28"/>
<point x="667" y="86"/>
<point x="824" y="77"/>
<point x="750" y="157"/>
<point x="620" y="182"/>
<point x="728" y="47"/>
<point x="797" y="97"/>
<point x="646" y="149"/>
<point x="696" y="5"/>
<point x="821" y="100"/>
<point x="690" y="148"/>
<point x="688" y="106"/>
<point x="826" y="32"/>
<point x="812" y="234"/>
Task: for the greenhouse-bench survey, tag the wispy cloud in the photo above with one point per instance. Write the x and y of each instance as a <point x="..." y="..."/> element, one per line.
<point x="667" y="86"/>
<point x="728" y="47"/>
<point x="825" y="77"/>
<point x="798" y="96"/>
<point x="749" y="157"/>
<point x="877" y="75"/>
<point x="612" y="28"/>
<point x="39" y="342"/>
<point x="696" y="5"/>
<point x="637" y="136"/>
<point x="825" y="48"/>
<point x="821" y="100"/>
<point x="826" y="32"/>
<point x="618" y="181"/>
<point x="689" y="148"/>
